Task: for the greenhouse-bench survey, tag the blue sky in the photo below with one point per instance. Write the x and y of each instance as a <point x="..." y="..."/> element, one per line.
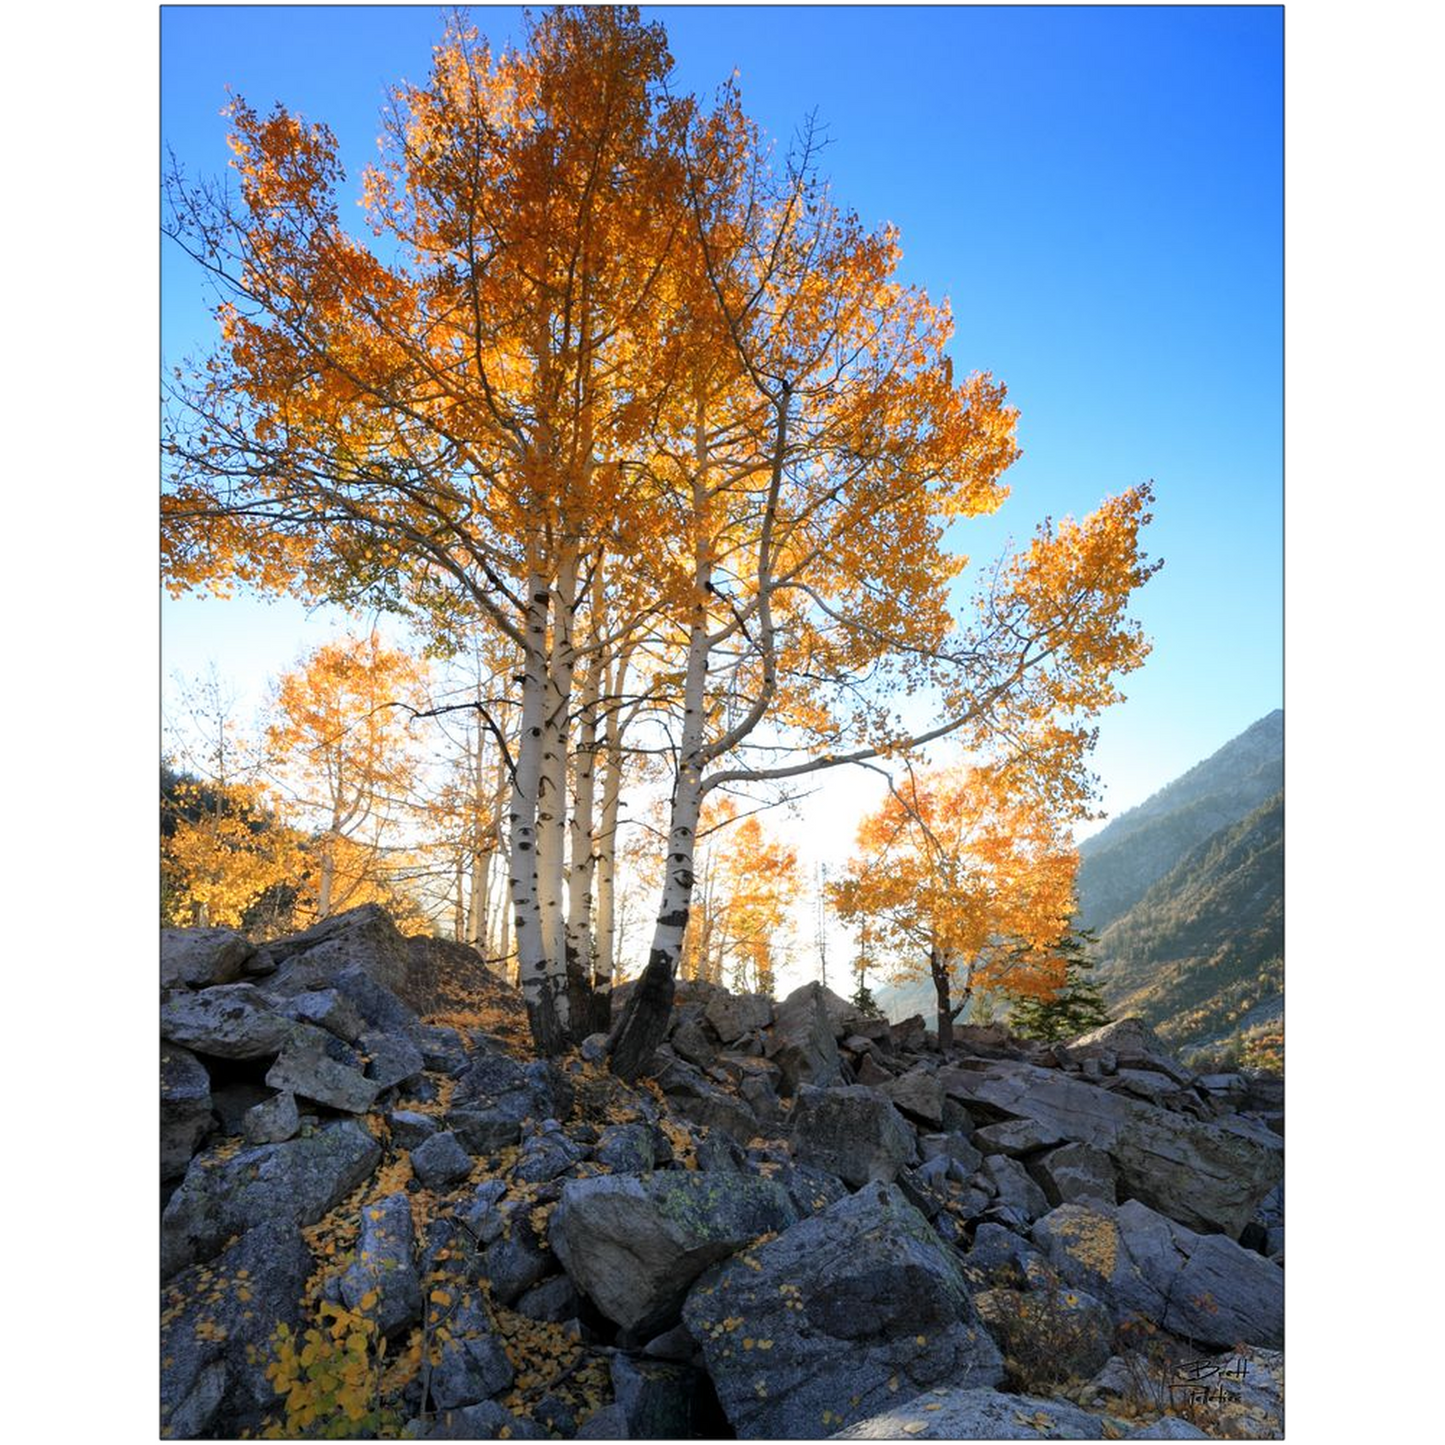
<point x="1097" y="190"/>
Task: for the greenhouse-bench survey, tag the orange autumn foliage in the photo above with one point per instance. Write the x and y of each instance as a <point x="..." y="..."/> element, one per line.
<point x="341" y="746"/>
<point x="966" y="878"/>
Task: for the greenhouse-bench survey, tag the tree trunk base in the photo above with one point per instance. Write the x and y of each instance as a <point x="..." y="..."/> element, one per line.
<point x="548" y="1036"/>
<point x="643" y="1025"/>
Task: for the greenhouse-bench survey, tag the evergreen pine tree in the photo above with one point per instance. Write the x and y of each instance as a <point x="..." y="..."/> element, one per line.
<point x="1075" y="1009"/>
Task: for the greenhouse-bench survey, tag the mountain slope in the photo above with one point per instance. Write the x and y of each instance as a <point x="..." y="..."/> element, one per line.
<point x="1120" y="863"/>
<point x="1203" y="948"/>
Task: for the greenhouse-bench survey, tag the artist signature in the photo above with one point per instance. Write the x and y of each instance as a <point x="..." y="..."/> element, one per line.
<point x="1208" y="1382"/>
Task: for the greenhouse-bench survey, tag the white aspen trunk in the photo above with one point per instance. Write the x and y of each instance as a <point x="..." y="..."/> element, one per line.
<point x="606" y="845"/>
<point x="644" y="1022"/>
<point x="535" y="975"/>
<point x="552" y="788"/>
<point x="587" y="1015"/>
<point x="481" y="878"/>
<point x="328" y="878"/>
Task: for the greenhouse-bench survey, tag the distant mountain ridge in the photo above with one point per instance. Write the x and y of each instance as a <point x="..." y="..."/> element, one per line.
<point x="1120" y="863"/>
<point x="1185" y="894"/>
<point x="1200" y="956"/>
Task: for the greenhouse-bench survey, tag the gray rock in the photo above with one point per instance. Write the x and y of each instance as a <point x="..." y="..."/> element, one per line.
<point x="625" y="1149"/>
<point x="1167" y="1427"/>
<point x="811" y="1190"/>
<point x="961" y="1414"/>
<point x="216" y="1332"/>
<point x="231" y="1021"/>
<point x="408" y="1129"/>
<point x="443" y="1050"/>
<point x="691" y="1039"/>
<point x="305" y="1067"/>
<point x="361" y="938"/>
<point x="1001" y="1259"/>
<point x="1153" y="1087"/>
<point x="1195" y="1172"/>
<point x="843" y="1014"/>
<point x="910" y="1035"/>
<point x="185" y="1108"/>
<point x="1131" y="1044"/>
<point x="294" y="1183"/>
<point x="497" y="1086"/>
<point x="555" y="1299"/>
<point x="202" y="957"/>
<point x="481" y="1216"/>
<point x="1016" y="1137"/>
<point x="656" y="1397"/>
<point x="484" y="1132"/>
<point x="1047" y="1336"/>
<point x="733" y="1015"/>
<point x="485" y="1421"/>
<point x="633" y="1244"/>
<point x="382" y="1010"/>
<point x="391" y="1059"/>
<point x="674" y="1344"/>
<point x="1202" y="1286"/>
<point x="232" y="1102"/>
<point x="698" y="1100"/>
<point x="518" y="1259"/>
<point x="719" y="1151"/>
<point x="872" y="1073"/>
<point x="953" y="1147"/>
<point x="326" y="1009"/>
<point x="547" y="1154"/>
<point x="919" y="1094"/>
<point x="608" y="1423"/>
<point x="272" y="1121"/>
<point x="440" y="1161"/>
<point x="385" y="1263"/>
<point x="473" y="1364"/>
<point x="853" y="1132"/>
<point x="1015" y="1189"/>
<point x="1075" y="1174"/>
<point x="831" y="1321"/>
<point x="802" y="1041"/>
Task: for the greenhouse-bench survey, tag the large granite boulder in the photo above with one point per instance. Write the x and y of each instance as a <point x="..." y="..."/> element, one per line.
<point x="802" y="1041"/>
<point x="472" y="1365"/>
<point x="1139" y="1263"/>
<point x="851" y="1132"/>
<point x="1201" y="1174"/>
<point x="1075" y="1174"/>
<point x="1131" y="1044"/>
<point x="385" y="1265"/>
<point x="305" y="1068"/>
<point x="363" y="938"/>
<point x="918" y="1094"/>
<point x="698" y="1100"/>
<point x="230" y="1021"/>
<point x="216" y="1328"/>
<point x="733" y="1015"/>
<point x="633" y="1244"/>
<point x="842" y="1315"/>
<point x="963" y="1414"/>
<point x="295" y="1183"/>
<point x="186" y="1116"/>
<point x="203" y="957"/>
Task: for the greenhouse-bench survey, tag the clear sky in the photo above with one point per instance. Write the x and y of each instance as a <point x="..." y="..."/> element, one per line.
<point x="1098" y="191"/>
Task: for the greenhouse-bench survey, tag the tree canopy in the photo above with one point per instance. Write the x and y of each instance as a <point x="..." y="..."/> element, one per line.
<point x="615" y="383"/>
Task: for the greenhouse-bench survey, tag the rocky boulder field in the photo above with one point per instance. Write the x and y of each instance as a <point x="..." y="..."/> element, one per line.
<point x="382" y="1216"/>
